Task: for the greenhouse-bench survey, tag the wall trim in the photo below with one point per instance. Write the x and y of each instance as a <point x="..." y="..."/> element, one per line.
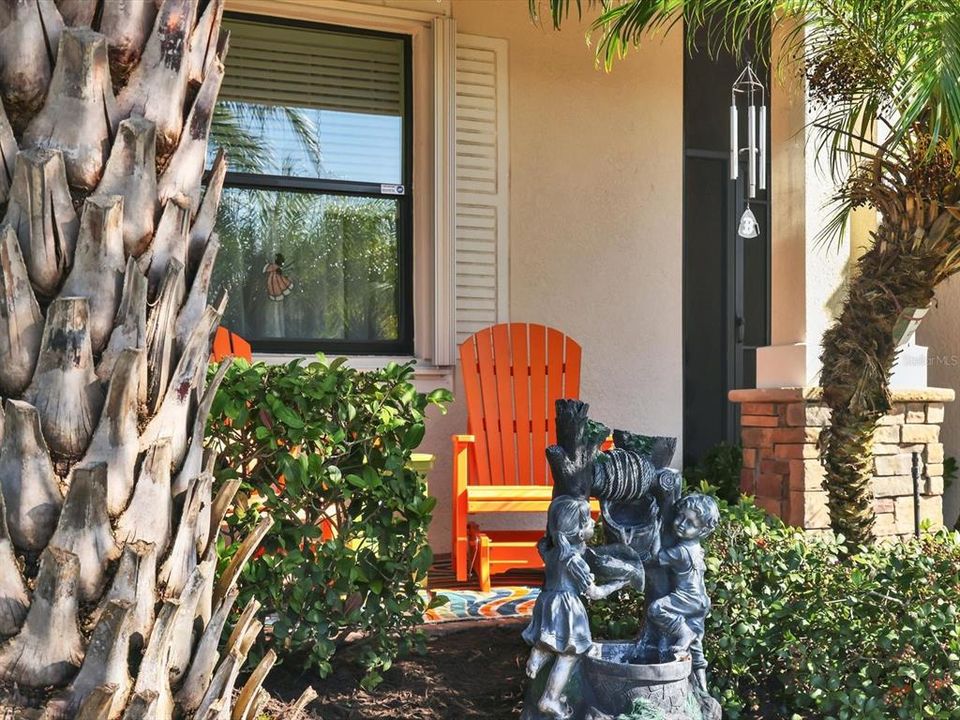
<point x="445" y="184"/>
<point x="342" y="12"/>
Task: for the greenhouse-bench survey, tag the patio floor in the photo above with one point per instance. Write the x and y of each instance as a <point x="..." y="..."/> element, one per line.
<point x="512" y="594"/>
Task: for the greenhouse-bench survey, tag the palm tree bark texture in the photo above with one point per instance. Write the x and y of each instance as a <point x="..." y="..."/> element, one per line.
<point x="109" y="604"/>
<point x="914" y="249"/>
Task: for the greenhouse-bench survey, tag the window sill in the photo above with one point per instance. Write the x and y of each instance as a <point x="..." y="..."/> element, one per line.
<point x="423" y="371"/>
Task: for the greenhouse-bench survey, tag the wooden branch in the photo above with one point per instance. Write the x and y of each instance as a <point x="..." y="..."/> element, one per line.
<point x="206" y="219"/>
<point x="221" y="503"/>
<point x="115" y="442"/>
<point x="197" y="298"/>
<point x="49" y="649"/>
<point x="143" y="706"/>
<point x="250" y="637"/>
<point x="308" y="696"/>
<point x="205" y="658"/>
<point x="252" y="687"/>
<point x="154" y="673"/>
<point x="106" y="661"/>
<point x="163" y="73"/>
<point x="204" y="486"/>
<point x="21" y="324"/>
<point x="226" y="493"/>
<point x="98" y="703"/>
<point x="160" y="339"/>
<point x="126" y="25"/>
<point x="183" y="557"/>
<point x="246" y="619"/>
<point x="172" y="418"/>
<point x="169" y="242"/>
<point x="98" y="265"/>
<point x="259" y="705"/>
<point x="29" y="36"/>
<point x="205" y="604"/>
<point x="221" y="686"/>
<point x="27" y="480"/>
<point x="147" y="518"/>
<point x="203" y="41"/>
<point x="184" y="172"/>
<point x="65" y="389"/>
<point x="77" y="12"/>
<point x="8" y="155"/>
<point x="79" y="115"/>
<point x="131" y="171"/>
<point x="181" y="647"/>
<point x="84" y="529"/>
<point x="135" y="583"/>
<point x="41" y="213"/>
<point x="130" y="329"/>
<point x="249" y="544"/>
<point x="13" y="593"/>
<point x="192" y="466"/>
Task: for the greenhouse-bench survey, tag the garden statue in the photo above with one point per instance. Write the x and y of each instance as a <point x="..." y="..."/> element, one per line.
<point x="653" y="537"/>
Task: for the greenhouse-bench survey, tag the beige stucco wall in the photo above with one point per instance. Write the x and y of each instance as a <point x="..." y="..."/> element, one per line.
<point x="596" y="164"/>
<point x="940" y="331"/>
<point x="595" y="218"/>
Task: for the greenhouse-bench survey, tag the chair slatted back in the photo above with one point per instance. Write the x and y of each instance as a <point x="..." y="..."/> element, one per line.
<point x="513" y="374"/>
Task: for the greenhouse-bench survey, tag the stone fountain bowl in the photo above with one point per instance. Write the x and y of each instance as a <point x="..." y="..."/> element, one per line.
<point x="617" y="683"/>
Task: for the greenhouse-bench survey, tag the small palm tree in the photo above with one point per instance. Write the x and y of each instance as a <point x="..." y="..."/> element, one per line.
<point x="884" y="82"/>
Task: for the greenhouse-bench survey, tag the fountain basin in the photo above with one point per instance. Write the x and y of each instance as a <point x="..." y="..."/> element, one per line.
<point x="617" y="684"/>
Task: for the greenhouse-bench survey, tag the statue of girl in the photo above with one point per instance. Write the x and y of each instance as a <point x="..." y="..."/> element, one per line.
<point x="559" y="627"/>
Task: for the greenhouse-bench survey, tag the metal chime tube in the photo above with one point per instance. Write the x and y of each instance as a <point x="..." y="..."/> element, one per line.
<point x="763" y="147"/>
<point x="734" y="142"/>
<point x="752" y="151"/>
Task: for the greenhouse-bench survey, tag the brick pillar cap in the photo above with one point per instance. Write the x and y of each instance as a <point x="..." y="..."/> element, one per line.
<point x="798" y="394"/>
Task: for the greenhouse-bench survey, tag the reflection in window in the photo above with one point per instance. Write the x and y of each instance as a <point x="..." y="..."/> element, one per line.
<point x="314" y="221"/>
<point x="335" y="258"/>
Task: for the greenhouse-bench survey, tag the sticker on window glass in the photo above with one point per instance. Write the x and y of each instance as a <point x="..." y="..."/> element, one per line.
<point x="391" y="189"/>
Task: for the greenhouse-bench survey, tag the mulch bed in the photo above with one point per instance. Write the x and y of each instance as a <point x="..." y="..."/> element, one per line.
<point x="472" y="669"/>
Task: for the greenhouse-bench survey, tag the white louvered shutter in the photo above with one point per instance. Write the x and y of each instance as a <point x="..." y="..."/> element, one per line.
<point x="482" y="196"/>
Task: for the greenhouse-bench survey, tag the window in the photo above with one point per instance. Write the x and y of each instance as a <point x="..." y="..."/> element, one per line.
<point x="315" y="222"/>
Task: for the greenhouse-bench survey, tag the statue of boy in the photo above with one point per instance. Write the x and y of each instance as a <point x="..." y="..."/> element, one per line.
<point x="679" y="616"/>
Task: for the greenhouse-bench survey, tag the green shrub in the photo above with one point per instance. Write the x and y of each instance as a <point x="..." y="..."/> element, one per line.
<point x="798" y="630"/>
<point x="325" y="450"/>
<point x="720" y="468"/>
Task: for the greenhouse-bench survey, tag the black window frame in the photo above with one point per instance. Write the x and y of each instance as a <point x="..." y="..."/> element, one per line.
<point x="403" y="345"/>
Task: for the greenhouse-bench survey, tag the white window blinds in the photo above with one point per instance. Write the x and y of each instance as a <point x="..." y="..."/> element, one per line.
<point x="301" y="67"/>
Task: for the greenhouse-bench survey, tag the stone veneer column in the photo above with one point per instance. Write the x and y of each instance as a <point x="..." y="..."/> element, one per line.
<point x="781" y="467"/>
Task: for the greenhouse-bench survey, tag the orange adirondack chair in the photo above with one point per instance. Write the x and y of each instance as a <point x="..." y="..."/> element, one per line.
<point x="227" y="343"/>
<point x="512" y="375"/>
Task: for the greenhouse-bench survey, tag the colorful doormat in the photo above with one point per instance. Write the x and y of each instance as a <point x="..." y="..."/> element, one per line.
<point x="499" y="602"/>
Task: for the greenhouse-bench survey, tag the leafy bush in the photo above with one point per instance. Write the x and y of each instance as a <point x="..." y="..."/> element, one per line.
<point x="325" y="450"/>
<point x="720" y="468"/>
<point x="800" y="631"/>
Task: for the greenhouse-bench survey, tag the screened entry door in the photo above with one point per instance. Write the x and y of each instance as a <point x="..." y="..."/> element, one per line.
<point x="725" y="300"/>
<point x="726" y="284"/>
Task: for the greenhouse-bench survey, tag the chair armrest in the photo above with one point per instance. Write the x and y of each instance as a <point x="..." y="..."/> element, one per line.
<point x="462" y="446"/>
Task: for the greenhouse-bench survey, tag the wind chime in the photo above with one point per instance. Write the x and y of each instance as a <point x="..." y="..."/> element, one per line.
<point x="748" y="85"/>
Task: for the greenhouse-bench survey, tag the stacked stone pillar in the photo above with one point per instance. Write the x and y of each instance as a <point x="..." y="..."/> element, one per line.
<point x="781" y="467"/>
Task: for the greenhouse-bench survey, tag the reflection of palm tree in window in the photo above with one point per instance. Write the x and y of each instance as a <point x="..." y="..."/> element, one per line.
<point x="343" y="248"/>
<point x="244" y="129"/>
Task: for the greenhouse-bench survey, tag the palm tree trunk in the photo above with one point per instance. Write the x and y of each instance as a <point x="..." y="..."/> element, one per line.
<point x="108" y="524"/>
<point x="900" y="271"/>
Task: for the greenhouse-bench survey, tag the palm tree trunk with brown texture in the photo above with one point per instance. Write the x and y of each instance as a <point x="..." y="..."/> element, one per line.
<point x="108" y="523"/>
<point x="909" y="257"/>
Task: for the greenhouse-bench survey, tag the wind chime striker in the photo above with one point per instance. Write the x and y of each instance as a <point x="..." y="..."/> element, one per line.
<point x="748" y="85"/>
